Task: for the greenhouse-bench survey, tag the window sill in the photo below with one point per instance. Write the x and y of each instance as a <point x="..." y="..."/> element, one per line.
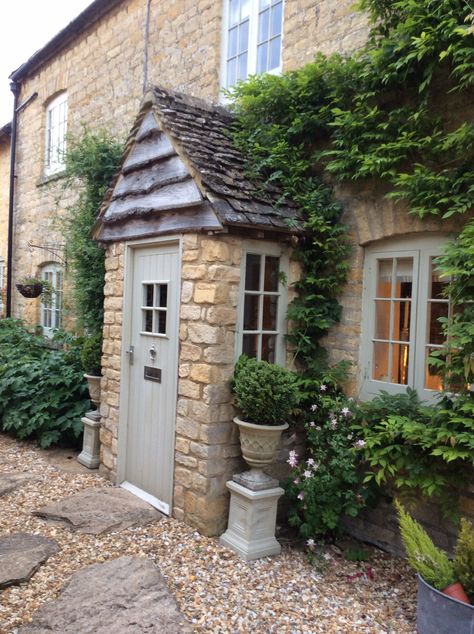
<point x="49" y="178"/>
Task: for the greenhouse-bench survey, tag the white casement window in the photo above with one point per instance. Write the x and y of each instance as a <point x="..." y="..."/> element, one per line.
<point x="403" y="302"/>
<point x="252" y="39"/>
<point x="2" y="284"/>
<point x="51" y="311"/>
<point x="263" y="303"/>
<point x="56" y="128"/>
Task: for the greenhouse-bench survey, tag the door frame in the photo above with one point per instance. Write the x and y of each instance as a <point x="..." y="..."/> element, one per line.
<point x="130" y="249"/>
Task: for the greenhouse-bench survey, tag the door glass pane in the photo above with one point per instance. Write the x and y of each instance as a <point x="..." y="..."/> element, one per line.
<point x="148" y="294"/>
<point x="252" y="272"/>
<point x="404" y="277"/>
<point x="163" y="295"/>
<point x="268" y="348"/>
<point x="382" y="319"/>
<point x="436" y="310"/>
<point x="399" y="372"/>
<point x="272" y="269"/>
<point x="148" y="321"/>
<point x="270" y="308"/>
<point x="162" y="322"/>
<point x="380" y="362"/>
<point x="384" y="278"/>
<point x="250" y="345"/>
<point x="401" y="321"/>
<point x="251" y="312"/>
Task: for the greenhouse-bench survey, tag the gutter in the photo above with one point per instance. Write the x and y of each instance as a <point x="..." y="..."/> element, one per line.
<point x="15" y="88"/>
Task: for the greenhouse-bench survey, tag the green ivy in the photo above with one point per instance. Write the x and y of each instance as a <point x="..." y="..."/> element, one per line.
<point x="91" y="161"/>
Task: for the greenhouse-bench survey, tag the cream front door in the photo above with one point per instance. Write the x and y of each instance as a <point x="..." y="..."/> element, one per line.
<point x="151" y="358"/>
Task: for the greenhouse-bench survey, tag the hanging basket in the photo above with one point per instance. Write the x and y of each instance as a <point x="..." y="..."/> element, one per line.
<point x="30" y="290"/>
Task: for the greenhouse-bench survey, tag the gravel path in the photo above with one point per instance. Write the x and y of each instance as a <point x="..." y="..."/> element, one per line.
<point x="216" y="591"/>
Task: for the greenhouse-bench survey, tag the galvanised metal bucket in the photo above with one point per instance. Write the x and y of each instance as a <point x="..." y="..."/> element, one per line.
<point x="437" y="613"/>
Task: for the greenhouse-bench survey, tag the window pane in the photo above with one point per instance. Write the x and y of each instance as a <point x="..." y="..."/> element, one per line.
<point x="382" y="319"/>
<point x="252" y="272"/>
<point x="436" y="310"/>
<point x="272" y="269"/>
<point x="274" y="57"/>
<point x="404" y="277"/>
<point x="242" y="67"/>
<point x="270" y="310"/>
<point x="384" y="278"/>
<point x="438" y="283"/>
<point x="232" y="47"/>
<point x="401" y="321"/>
<point x="264" y="4"/>
<point x="162" y="322"/>
<point x="250" y="345"/>
<point x="277" y="13"/>
<point x="251" y="312"/>
<point x="148" y="295"/>
<point x="163" y="295"/>
<point x="262" y="54"/>
<point x="231" y="72"/>
<point x="399" y="364"/>
<point x="244" y="36"/>
<point x="245" y="9"/>
<point x="263" y="25"/>
<point x="381" y="356"/>
<point x="268" y="348"/>
<point x="234" y="11"/>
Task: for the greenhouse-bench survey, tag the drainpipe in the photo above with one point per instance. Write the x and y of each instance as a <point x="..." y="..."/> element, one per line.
<point x="15" y="88"/>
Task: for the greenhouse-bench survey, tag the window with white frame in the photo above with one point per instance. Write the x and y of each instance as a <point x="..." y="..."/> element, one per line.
<point x="263" y="295"/>
<point x="2" y="283"/>
<point x="56" y="128"/>
<point x="252" y="38"/>
<point x="403" y="302"/>
<point x="52" y="309"/>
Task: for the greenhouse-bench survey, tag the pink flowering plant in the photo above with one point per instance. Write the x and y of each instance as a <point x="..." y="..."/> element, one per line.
<point x="326" y="483"/>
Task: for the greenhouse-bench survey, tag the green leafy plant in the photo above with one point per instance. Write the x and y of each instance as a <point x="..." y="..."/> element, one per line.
<point x="419" y="449"/>
<point x="265" y="392"/>
<point x="91" y="355"/>
<point x="464" y="557"/>
<point x="42" y="391"/>
<point x="325" y="484"/>
<point x="91" y="161"/>
<point x="423" y="556"/>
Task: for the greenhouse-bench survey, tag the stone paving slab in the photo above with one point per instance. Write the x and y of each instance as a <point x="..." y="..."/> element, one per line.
<point x="11" y="481"/>
<point x="96" y="511"/>
<point x="127" y="595"/>
<point x="21" y="555"/>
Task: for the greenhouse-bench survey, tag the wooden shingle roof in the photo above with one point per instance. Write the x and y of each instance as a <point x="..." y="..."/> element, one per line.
<point x="181" y="168"/>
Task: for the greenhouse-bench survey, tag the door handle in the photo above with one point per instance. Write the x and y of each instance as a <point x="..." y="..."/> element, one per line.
<point x="130" y="353"/>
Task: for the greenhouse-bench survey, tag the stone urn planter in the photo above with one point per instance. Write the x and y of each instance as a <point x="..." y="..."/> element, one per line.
<point x="259" y="445"/>
<point x="440" y="613"/>
<point x="93" y="383"/>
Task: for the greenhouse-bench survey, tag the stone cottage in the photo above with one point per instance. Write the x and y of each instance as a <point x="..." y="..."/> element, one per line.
<point x="195" y="257"/>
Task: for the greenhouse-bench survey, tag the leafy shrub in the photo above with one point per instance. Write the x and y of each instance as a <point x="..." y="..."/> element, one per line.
<point x="423" y="556"/>
<point x="418" y="448"/>
<point x="43" y="394"/>
<point x="326" y="484"/>
<point x="91" y="355"/>
<point x="464" y="557"/>
<point x="265" y="392"/>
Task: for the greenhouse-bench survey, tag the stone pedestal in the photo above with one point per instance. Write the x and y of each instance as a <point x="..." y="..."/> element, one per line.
<point x="252" y="519"/>
<point x="90" y="454"/>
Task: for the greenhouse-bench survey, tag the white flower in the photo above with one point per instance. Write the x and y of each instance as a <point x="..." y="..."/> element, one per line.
<point x="359" y="444"/>
<point x="345" y="411"/>
<point x="292" y="458"/>
<point x="314" y="408"/>
<point x="307" y="474"/>
<point x="310" y="462"/>
<point x="323" y="387"/>
<point x="300" y="495"/>
<point x="311" y="543"/>
<point x="312" y="424"/>
<point x="334" y="423"/>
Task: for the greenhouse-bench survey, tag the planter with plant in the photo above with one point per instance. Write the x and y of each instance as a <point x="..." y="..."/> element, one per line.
<point x="32" y="287"/>
<point x="266" y="395"/>
<point x="91" y="354"/>
<point x="443" y="605"/>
